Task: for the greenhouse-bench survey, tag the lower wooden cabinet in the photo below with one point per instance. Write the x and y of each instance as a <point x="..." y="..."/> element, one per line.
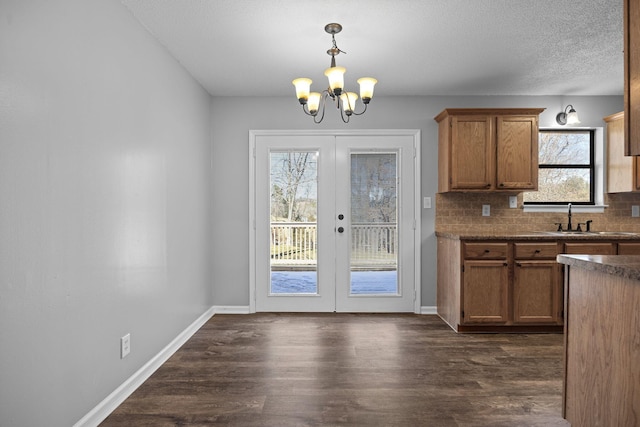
<point x="537" y="296"/>
<point x="510" y="285"/>
<point x="499" y="286"/>
<point x="485" y="290"/>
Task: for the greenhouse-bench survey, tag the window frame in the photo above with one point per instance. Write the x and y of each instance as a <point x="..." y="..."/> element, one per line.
<point x="592" y="167"/>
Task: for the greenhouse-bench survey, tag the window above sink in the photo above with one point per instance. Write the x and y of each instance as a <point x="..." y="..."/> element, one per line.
<point x="553" y="203"/>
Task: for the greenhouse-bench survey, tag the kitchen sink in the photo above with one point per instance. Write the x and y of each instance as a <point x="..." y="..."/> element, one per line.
<point x="591" y="233"/>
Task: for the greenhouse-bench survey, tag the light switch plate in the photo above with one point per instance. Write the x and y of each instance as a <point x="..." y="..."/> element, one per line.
<point x="427" y="202"/>
<point x="486" y="210"/>
<point x="513" y="202"/>
<point x="635" y="211"/>
<point x="125" y="346"/>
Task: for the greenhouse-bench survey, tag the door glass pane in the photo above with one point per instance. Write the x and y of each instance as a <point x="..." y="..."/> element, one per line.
<point x="293" y="236"/>
<point x="374" y="226"/>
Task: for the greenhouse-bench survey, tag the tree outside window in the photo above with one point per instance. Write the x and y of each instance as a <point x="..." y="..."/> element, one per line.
<point x="566" y="168"/>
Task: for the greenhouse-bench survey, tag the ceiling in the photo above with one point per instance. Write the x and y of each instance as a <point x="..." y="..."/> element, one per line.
<point x="413" y="47"/>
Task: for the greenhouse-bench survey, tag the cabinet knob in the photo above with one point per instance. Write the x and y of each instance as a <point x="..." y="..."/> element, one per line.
<point x="537" y="251"/>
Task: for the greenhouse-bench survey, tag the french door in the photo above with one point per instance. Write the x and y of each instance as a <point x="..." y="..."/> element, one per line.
<point x="334" y="224"/>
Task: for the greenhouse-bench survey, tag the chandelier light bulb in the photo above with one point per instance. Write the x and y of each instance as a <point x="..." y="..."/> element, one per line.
<point x="314" y="102"/>
<point x="349" y="102"/>
<point x="303" y="86"/>
<point x="366" y="88"/>
<point x="336" y="78"/>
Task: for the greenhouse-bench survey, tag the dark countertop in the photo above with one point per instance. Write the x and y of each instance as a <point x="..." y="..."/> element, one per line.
<point x="538" y="236"/>
<point x="626" y="266"/>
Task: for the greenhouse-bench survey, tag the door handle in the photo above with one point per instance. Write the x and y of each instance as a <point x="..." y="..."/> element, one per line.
<point x="340" y="229"/>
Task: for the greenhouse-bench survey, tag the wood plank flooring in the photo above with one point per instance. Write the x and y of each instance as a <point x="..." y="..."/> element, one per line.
<point x="350" y="370"/>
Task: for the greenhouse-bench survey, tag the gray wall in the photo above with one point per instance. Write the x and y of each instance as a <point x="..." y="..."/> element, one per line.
<point x="232" y="118"/>
<point x="107" y="224"/>
<point x="105" y="212"/>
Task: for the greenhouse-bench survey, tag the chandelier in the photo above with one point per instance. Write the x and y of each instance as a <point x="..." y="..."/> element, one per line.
<point x="314" y="102"/>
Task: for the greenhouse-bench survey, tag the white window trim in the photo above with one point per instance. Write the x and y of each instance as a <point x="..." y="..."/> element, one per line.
<point x="599" y="183"/>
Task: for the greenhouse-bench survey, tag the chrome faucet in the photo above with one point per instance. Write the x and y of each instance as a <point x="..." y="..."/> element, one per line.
<point x="569" y="227"/>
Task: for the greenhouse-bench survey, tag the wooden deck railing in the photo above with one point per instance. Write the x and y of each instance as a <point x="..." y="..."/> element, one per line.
<point x="372" y="244"/>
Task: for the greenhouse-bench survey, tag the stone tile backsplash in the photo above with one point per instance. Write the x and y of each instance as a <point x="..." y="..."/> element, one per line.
<point x="462" y="212"/>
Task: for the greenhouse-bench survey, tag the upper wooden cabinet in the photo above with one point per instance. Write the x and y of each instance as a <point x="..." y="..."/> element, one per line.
<point x="632" y="77"/>
<point x="483" y="149"/>
<point x="623" y="172"/>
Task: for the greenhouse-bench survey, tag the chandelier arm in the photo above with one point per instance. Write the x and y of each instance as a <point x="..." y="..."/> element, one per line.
<point x="322" y="102"/>
<point x="305" y="109"/>
<point x="362" y="112"/>
<point x="342" y="116"/>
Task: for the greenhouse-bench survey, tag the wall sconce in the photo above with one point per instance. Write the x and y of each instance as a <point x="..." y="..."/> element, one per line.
<point x="568" y="116"/>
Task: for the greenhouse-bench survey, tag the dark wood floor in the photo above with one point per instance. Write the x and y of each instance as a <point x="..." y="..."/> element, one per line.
<point x="350" y="369"/>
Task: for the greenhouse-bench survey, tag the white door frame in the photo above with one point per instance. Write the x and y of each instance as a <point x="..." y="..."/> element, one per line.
<point x="354" y="132"/>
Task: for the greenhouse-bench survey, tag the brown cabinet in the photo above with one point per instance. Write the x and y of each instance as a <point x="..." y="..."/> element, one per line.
<point x="483" y="149"/>
<point x="485" y="283"/>
<point x="632" y="77"/>
<point x="623" y="172"/>
<point x="493" y="286"/>
<point x="537" y="294"/>
<point x="485" y="298"/>
<point x="601" y="371"/>
<point x="509" y="285"/>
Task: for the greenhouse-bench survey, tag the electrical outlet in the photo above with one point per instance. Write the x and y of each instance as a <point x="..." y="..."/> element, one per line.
<point x="427" y="202"/>
<point x="125" y="346"/>
<point x="513" y="202"/>
<point x="635" y="211"/>
<point x="486" y="210"/>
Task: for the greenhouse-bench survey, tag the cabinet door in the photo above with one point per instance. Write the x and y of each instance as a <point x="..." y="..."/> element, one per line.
<point x="517" y="153"/>
<point x="623" y="174"/>
<point x="472" y="152"/>
<point x="632" y="77"/>
<point x="484" y="295"/>
<point x="536" y="295"/>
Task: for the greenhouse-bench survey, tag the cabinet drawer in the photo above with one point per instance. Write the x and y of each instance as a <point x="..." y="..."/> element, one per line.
<point x="589" y="248"/>
<point x="628" y="248"/>
<point x="536" y="250"/>
<point x="485" y="250"/>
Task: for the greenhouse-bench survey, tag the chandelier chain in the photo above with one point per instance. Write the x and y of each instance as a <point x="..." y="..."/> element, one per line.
<point x="335" y="45"/>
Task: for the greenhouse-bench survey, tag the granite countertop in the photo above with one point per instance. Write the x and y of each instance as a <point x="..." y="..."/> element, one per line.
<point x="538" y="236"/>
<point x="625" y="266"/>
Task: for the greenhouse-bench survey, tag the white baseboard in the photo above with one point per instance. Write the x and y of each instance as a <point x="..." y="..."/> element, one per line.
<point x="429" y="309"/>
<point x="231" y="309"/>
<point x="244" y="309"/>
<point x="119" y="395"/>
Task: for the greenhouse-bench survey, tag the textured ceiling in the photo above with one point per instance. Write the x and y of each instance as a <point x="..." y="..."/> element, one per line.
<point x="413" y="47"/>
